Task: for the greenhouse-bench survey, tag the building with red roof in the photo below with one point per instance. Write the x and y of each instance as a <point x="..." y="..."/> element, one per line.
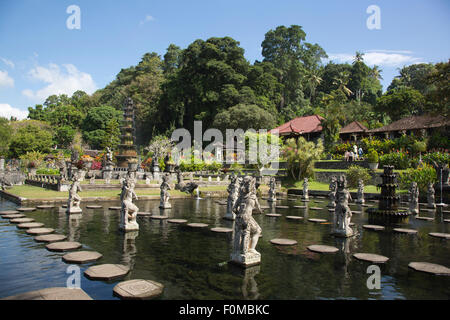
<point x="310" y="127"/>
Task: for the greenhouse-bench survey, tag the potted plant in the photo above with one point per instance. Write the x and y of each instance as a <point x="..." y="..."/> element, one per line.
<point x="87" y="161"/>
<point x="373" y="159"/>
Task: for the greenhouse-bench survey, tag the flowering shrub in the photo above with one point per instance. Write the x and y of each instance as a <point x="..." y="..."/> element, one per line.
<point x="96" y="165"/>
<point x="355" y="173"/>
<point x="423" y="175"/>
<point x="399" y="160"/>
<point x="438" y="157"/>
<point x="86" y="158"/>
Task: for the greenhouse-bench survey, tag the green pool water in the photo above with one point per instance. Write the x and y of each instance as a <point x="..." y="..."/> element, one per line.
<point x="192" y="263"/>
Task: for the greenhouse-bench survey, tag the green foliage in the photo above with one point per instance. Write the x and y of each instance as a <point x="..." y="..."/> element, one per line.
<point x="400" y="103"/>
<point x="372" y="156"/>
<point x="300" y="156"/>
<point x="64" y="136"/>
<point x="47" y="171"/>
<point x="214" y="166"/>
<point x="162" y="164"/>
<point x="356" y="173"/>
<point x="438" y="140"/>
<point x="399" y="160"/>
<point x="32" y="159"/>
<point x="423" y="175"/>
<point x="32" y="136"/>
<point x="244" y="117"/>
<point x="5" y="136"/>
<point x="438" y="157"/>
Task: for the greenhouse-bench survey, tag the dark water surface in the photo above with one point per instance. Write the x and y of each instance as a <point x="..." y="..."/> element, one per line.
<point x="191" y="263"/>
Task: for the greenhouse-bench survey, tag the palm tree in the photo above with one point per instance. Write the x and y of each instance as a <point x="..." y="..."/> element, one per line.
<point x="314" y="80"/>
<point x="376" y="72"/>
<point x="358" y="57"/>
<point x="341" y="82"/>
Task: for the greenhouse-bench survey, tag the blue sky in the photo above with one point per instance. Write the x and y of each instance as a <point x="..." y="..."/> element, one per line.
<point x="40" y="56"/>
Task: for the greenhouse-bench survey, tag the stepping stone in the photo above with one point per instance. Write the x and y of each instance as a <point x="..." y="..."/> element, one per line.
<point x="317" y="220"/>
<point x="197" y="225"/>
<point x="30" y="225"/>
<point x="81" y="257"/>
<point x="52" y="294"/>
<point x="64" y="206"/>
<point x="365" y="205"/>
<point x="40" y="231"/>
<point x="443" y="211"/>
<point x="8" y="212"/>
<point x="265" y="207"/>
<point x="14" y="216"/>
<point x="115" y="208"/>
<point x="370" y="257"/>
<point x="428" y="210"/>
<point x="294" y="218"/>
<point x="425" y="218"/>
<point x="273" y="215"/>
<point x="106" y="272"/>
<point x="221" y="230"/>
<point x="159" y="217"/>
<point x="50" y="238"/>
<point x="447" y="220"/>
<point x="45" y="206"/>
<point x="138" y="289"/>
<point x="144" y="213"/>
<point x="21" y="220"/>
<point x="26" y="209"/>
<point x="373" y="227"/>
<point x="177" y="221"/>
<point x="322" y="249"/>
<point x="283" y="242"/>
<point x="94" y="207"/>
<point x="357" y="212"/>
<point x="63" y="246"/>
<point x="440" y="235"/>
<point x="300" y="207"/>
<point x="351" y="224"/>
<point x="282" y="207"/>
<point x="331" y="210"/>
<point x="318" y="201"/>
<point x="408" y="231"/>
<point x="315" y="208"/>
<point x="435" y="269"/>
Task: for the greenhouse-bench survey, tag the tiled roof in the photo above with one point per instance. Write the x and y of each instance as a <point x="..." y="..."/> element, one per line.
<point x="353" y="127"/>
<point x="301" y="125"/>
<point x="414" y="123"/>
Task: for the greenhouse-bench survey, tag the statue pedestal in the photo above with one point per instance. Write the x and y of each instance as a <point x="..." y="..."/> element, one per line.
<point x="165" y="205"/>
<point x="343" y="233"/>
<point x="73" y="210"/>
<point x="128" y="227"/>
<point x="246" y="260"/>
<point x="272" y="199"/>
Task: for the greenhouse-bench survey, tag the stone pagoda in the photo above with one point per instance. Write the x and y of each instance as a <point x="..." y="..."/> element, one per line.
<point x="127" y="149"/>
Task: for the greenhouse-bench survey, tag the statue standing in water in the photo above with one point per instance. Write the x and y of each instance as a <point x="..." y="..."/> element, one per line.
<point x="165" y="187"/>
<point x="129" y="210"/>
<point x="233" y="194"/>
<point x="272" y="191"/>
<point x="342" y="213"/>
<point x="73" y="204"/>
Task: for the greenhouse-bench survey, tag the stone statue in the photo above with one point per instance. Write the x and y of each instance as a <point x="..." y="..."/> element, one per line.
<point x="342" y="213"/>
<point x="188" y="187"/>
<point x="332" y="193"/>
<point x="272" y="191"/>
<point x="246" y="230"/>
<point x="147" y="180"/>
<point x="73" y="205"/>
<point x="75" y="155"/>
<point x="165" y="187"/>
<point x="92" y="179"/>
<point x="413" y="197"/>
<point x="360" y="192"/>
<point x="430" y="196"/>
<point x="233" y="194"/>
<point x="109" y="155"/>
<point x="305" y="190"/>
<point x="129" y="210"/>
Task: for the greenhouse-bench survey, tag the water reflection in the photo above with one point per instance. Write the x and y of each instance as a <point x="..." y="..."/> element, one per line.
<point x="73" y="224"/>
<point x="129" y="249"/>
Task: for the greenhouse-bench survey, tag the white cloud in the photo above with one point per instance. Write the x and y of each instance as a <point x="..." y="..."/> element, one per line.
<point x="9" y="63"/>
<point x="146" y="19"/>
<point x="7" y="111"/>
<point x="388" y="58"/>
<point x="6" y="80"/>
<point x="64" y="80"/>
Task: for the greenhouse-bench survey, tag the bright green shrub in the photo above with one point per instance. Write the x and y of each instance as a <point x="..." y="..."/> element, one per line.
<point x="355" y="173"/>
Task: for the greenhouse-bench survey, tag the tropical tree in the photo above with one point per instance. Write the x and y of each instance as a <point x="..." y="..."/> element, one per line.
<point x="300" y="155"/>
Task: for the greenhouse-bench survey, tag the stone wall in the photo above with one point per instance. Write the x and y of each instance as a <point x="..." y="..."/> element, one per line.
<point x="340" y="165"/>
<point x="325" y="177"/>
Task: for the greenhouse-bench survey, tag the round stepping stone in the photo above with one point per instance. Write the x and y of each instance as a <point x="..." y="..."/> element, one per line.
<point x="315" y="208"/>
<point x="40" y="231"/>
<point x="50" y="238"/>
<point x="106" y="272"/>
<point x="221" y="230"/>
<point x="408" y="231"/>
<point x="356" y="211"/>
<point x="273" y="215"/>
<point x="322" y="249"/>
<point x="30" y="225"/>
<point x="294" y="218"/>
<point x="63" y="246"/>
<point x="425" y="218"/>
<point x="318" y="201"/>
<point x="177" y="221"/>
<point x="64" y="206"/>
<point x="8" y="212"/>
<point x="283" y="242"/>
<point x="14" y="216"/>
<point x="138" y="289"/>
<point x="26" y="209"/>
<point x="197" y="225"/>
<point x="371" y="257"/>
<point x="428" y="210"/>
<point x="447" y="220"/>
<point x="331" y="210"/>
<point x="21" y="220"/>
<point x="440" y="235"/>
<point x="93" y="207"/>
<point x="265" y="207"/>
<point x="159" y="217"/>
<point x="282" y="207"/>
<point x="45" y="206"/>
<point x="81" y="257"/>
<point x="373" y="227"/>
<point x="115" y="208"/>
<point x="317" y="220"/>
<point x="430" y="268"/>
<point x="144" y="213"/>
<point x="300" y="207"/>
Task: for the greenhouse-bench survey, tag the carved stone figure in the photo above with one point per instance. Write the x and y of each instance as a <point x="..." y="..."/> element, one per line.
<point x="233" y="194"/>
<point x="272" y="191"/>
<point x="332" y="193"/>
<point x="147" y="180"/>
<point x="430" y="197"/>
<point x="92" y="179"/>
<point x="305" y="190"/>
<point x="165" y="187"/>
<point x="246" y="230"/>
<point x="342" y="213"/>
<point x="413" y="197"/>
<point x="188" y="187"/>
<point x="129" y="210"/>
<point x="73" y="204"/>
<point x="360" y="192"/>
<point x="109" y="155"/>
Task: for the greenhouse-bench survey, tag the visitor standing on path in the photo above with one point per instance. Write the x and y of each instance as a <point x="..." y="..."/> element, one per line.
<point x="355" y="152"/>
